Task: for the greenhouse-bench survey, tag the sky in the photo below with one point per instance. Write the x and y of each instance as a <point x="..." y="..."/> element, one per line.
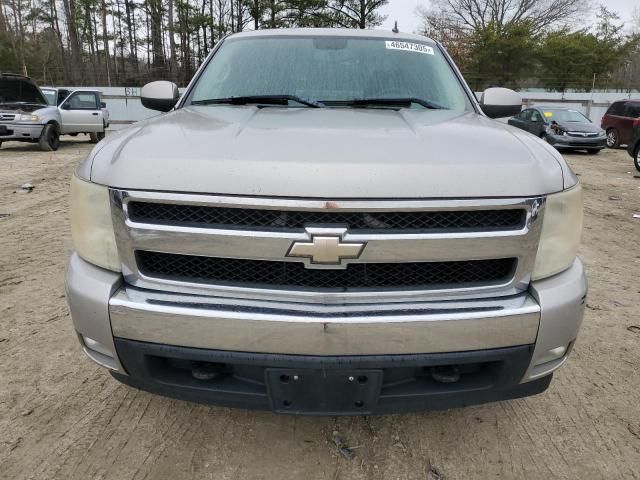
<point x="404" y="12"/>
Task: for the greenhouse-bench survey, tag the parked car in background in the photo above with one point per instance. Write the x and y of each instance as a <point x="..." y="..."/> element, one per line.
<point x="55" y="96"/>
<point x="562" y="127"/>
<point x="27" y="115"/>
<point x="82" y="112"/>
<point x="621" y="119"/>
<point x="634" y="146"/>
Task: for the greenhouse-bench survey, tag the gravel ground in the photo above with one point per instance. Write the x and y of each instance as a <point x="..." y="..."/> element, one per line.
<point x="63" y="417"/>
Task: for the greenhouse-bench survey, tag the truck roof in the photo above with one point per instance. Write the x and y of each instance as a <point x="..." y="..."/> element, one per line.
<point x="14" y="75"/>
<point x="333" y="32"/>
<point x="72" y="89"/>
<point x="83" y="89"/>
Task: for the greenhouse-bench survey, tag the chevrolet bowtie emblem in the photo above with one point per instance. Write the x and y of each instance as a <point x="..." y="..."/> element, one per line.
<point x="326" y="249"/>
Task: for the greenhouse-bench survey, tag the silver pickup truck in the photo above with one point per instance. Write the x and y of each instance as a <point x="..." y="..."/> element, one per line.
<point x="27" y="116"/>
<point x="327" y="222"/>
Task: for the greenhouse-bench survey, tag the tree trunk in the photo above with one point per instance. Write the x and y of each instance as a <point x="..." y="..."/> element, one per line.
<point x="75" y="70"/>
<point x="211" y="25"/>
<point x="55" y="26"/>
<point x="205" y="45"/>
<point x="233" y="17"/>
<point x="19" y="28"/>
<point x="95" y="49"/>
<point x="120" y="36"/>
<point x="105" y="39"/>
<point x="146" y="18"/>
<point x="131" y="29"/>
<point x="155" y="18"/>
<point x="172" y="40"/>
<point x="273" y="14"/>
<point x="239" y="13"/>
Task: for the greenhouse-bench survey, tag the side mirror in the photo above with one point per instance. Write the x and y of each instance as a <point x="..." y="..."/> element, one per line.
<point x="103" y="105"/>
<point x="66" y="106"/>
<point x="500" y="102"/>
<point x="160" y="95"/>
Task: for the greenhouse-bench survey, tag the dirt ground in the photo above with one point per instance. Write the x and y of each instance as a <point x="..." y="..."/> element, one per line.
<point x="63" y="417"/>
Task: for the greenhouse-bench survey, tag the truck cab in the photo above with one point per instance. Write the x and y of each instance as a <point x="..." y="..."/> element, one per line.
<point x="82" y="112"/>
<point x="81" y="109"/>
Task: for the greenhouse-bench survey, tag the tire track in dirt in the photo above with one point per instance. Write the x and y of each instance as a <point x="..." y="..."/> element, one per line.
<point x="61" y="417"/>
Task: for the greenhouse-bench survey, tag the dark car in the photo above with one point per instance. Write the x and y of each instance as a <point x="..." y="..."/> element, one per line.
<point x="634" y="146"/>
<point x="619" y="122"/>
<point x="562" y="127"/>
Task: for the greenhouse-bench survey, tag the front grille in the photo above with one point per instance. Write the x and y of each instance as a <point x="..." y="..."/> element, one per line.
<point x="7" y="117"/>
<point x="277" y="274"/>
<point x="222" y="217"/>
<point x="582" y="134"/>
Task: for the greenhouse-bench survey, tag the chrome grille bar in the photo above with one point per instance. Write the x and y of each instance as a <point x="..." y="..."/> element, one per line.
<point x="382" y="247"/>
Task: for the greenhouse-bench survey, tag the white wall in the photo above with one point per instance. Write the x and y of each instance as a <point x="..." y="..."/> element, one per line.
<point x="125" y="107"/>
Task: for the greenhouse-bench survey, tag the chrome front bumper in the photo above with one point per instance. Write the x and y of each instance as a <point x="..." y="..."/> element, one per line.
<point x="21" y="132"/>
<point x="102" y="307"/>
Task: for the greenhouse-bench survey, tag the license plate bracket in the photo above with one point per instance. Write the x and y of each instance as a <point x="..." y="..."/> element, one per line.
<point x="323" y="392"/>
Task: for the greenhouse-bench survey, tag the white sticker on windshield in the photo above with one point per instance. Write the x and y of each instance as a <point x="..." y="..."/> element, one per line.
<point x="410" y="47"/>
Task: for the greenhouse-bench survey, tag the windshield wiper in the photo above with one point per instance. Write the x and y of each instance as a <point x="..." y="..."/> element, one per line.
<point x="389" y="102"/>
<point x="257" y="99"/>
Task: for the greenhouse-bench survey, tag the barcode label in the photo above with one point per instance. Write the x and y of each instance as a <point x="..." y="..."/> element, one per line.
<point x="410" y="47"/>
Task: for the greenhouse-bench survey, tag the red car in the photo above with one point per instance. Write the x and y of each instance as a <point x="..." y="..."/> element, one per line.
<point x="619" y="122"/>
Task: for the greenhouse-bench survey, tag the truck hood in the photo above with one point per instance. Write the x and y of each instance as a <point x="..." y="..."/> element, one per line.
<point x="326" y="153"/>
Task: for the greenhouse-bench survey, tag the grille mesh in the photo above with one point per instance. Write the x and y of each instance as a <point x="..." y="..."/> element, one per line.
<point x="275" y="274"/>
<point x="205" y="216"/>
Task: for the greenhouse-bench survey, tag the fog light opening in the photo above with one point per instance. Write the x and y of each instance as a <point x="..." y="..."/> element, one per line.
<point x="445" y="374"/>
<point x="96" y="346"/>
<point x="205" y="371"/>
<point x="553" y="355"/>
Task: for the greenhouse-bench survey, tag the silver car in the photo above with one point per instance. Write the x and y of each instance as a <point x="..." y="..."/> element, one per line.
<point x="327" y="222"/>
<point x="56" y="96"/>
<point x="25" y="115"/>
<point x="29" y="114"/>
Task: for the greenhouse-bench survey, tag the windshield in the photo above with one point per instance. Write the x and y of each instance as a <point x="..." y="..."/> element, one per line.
<point x="18" y="90"/>
<point x="51" y="96"/>
<point x="564" y="116"/>
<point x="331" y="69"/>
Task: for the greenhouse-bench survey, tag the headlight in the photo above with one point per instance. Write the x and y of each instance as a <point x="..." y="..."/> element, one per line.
<point x="29" y="118"/>
<point x="91" y="226"/>
<point x="561" y="232"/>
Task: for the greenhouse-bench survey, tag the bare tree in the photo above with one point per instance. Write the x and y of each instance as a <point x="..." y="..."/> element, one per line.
<point x="172" y="40"/>
<point x="451" y="32"/>
<point x="356" y="13"/>
<point x="155" y="14"/>
<point x="479" y="14"/>
<point x="75" y="70"/>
